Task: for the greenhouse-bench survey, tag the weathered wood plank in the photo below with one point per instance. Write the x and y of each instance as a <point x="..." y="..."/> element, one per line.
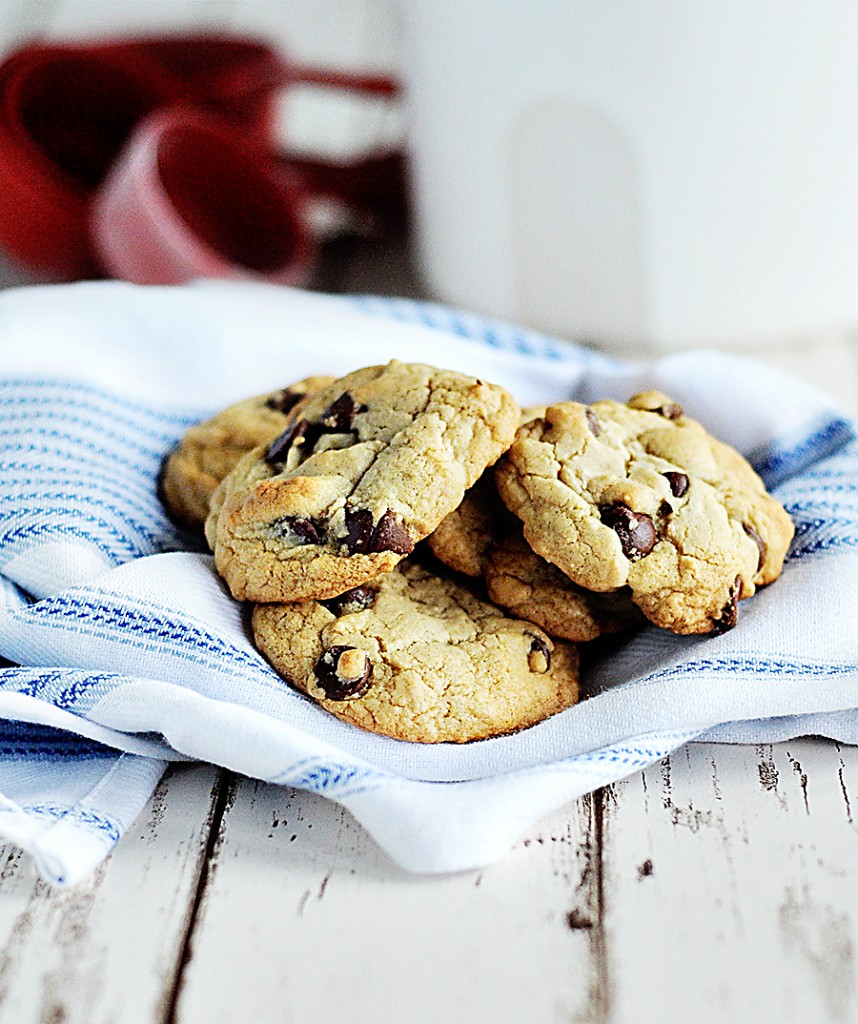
<point x="107" y="952"/>
<point x="731" y="886"/>
<point x="304" y="919"/>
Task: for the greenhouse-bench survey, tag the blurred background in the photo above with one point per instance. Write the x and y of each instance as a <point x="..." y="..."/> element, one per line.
<point x="310" y="124"/>
<point x="636" y="176"/>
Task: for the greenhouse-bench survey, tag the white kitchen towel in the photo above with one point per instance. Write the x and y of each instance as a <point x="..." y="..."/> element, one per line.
<point x="120" y="631"/>
<point x="66" y="799"/>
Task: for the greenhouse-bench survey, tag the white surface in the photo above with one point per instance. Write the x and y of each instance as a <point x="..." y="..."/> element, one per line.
<point x="750" y="887"/>
<point x="108" y="952"/>
<point x="716" y="887"/>
<point x="707" y="153"/>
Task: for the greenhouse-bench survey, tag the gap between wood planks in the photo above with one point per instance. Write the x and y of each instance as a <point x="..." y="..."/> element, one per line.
<point x="594" y="922"/>
<point x="222" y="801"/>
<point x="587" y="915"/>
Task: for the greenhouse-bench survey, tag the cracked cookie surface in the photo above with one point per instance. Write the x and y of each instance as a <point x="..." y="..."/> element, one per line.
<point x="639" y="495"/>
<point x="367" y="467"/>
<point x="419" y="658"/>
<point x="209" y="451"/>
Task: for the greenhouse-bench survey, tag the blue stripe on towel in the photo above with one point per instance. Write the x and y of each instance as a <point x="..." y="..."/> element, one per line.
<point x="63" y="688"/>
<point x="322" y="776"/>
<point x="130" y="623"/>
<point x="823" y="503"/>
<point x="108" y="826"/>
<point x="81" y="464"/>
<point x="33" y="742"/>
<point x="776" y="464"/>
<point x="35" y="392"/>
<point x="771" y="665"/>
<point x="472" y="327"/>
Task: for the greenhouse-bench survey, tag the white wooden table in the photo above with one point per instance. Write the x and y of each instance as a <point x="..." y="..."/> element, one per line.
<point x="720" y="885"/>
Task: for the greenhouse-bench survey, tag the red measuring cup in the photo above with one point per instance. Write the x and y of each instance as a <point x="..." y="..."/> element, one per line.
<point x="189" y="197"/>
<point x="66" y="112"/>
<point x="69" y="114"/>
<point x="64" y="116"/>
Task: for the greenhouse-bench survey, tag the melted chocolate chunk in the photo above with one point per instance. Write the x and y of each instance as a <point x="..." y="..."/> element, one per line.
<point x="758" y="540"/>
<point x="280" y="446"/>
<point x="390" y="535"/>
<point x="539" y="656"/>
<point x="387" y="535"/>
<point x="308" y="530"/>
<point x="353" y="600"/>
<point x="593" y="423"/>
<point x="337" y="418"/>
<point x="343" y="673"/>
<point x="359" y="527"/>
<point x="636" y="530"/>
<point x="678" y="483"/>
<point x="283" y="400"/>
<point x="730" y="612"/>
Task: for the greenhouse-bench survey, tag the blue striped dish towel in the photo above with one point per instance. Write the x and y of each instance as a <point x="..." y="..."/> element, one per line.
<point x="123" y="650"/>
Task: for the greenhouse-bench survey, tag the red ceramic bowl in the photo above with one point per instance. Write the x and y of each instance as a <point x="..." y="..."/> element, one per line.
<point x="190" y="197"/>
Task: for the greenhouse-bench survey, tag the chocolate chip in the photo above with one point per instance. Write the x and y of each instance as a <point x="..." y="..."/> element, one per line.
<point x="353" y="600"/>
<point x="593" y="423"/>
<point x="665" y="509"/>
<point x="359" y="527"/>
<point x="636" y="530"/>
<point x="280" y="446"/>
<point x="308" y="530"/>
<point x="758" y="540"/>
<point x="539" y="656"/>
<point x="730" y="612"/>
<point x="337" y="418"/>
<point x="388" y="534"/>
<point x="283" y="400"/>
<point x="678" y="483"/>
<point x="344" y="673"/>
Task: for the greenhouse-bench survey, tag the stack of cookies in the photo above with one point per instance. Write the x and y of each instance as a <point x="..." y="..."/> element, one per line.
<point x="543" y="529"/>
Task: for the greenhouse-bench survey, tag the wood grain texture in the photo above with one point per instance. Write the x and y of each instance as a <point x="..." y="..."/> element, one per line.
<point x="713" y="887"/>
<point x="731" y="886"/>
<point x="304" y="919"/>
<point x="108" y="951"/>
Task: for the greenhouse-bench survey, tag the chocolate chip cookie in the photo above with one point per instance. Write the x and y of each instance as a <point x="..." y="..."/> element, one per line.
<point x="210" y="450"/>
<point x="367" y="467"/>
<point x="418" y="658"/>
<point x="639" y="495"/>
<point x="527" y="585"/>
<point x="482" y="539"/>
<point x="462" y="540"/>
